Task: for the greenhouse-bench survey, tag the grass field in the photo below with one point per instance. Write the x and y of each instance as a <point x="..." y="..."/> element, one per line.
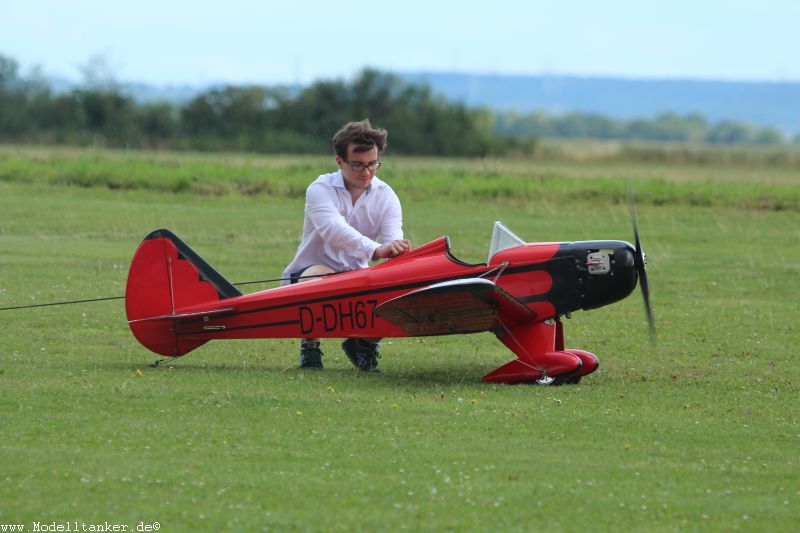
<point x="699" y="433"/>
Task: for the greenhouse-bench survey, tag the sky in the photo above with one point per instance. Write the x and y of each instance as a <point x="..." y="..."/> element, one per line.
<point x="167" y="43"/>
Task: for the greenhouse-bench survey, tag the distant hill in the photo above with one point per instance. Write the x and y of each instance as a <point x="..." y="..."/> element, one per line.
<point x="758" y="103"/>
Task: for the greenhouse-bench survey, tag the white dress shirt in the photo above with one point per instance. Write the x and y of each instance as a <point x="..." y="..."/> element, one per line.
<point x="341" y="235"/>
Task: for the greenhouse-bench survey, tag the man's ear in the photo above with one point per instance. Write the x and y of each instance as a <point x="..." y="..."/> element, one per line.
<point x="339" y="161"/>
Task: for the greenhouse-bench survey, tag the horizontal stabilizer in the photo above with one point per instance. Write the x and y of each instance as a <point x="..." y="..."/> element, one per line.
<point x="178" y="316"/>
<point x="459" y="306"/>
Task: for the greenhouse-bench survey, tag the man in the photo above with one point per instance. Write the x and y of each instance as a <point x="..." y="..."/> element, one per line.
<point x="351" y="217"/>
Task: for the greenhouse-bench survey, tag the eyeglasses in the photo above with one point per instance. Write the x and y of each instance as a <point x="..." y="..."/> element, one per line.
<point x="358" y="166"/>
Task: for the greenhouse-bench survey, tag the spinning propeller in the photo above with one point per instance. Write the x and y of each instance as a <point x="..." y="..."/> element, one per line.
<point x="640" y="260"/>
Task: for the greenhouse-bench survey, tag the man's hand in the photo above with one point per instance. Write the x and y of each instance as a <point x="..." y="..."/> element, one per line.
<point x="392" y="249"/>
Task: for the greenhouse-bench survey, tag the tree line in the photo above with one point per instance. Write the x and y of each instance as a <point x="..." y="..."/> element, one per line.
<point x="302" y="120"/>
<point x="692" y="127"/>
<point x="247" y="118"/>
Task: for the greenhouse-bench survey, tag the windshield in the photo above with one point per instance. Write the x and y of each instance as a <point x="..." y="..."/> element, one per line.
<point x="502" y="239"/>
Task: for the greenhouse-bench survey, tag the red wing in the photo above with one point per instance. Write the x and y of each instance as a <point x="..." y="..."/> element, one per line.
<point x="460" y="306"/>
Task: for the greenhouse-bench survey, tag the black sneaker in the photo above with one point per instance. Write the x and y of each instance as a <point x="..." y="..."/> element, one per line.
<point x="363" y="354"/>
<point x="311" y="357"/>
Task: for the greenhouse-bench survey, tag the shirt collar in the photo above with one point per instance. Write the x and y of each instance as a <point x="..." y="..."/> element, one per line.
<point x="338" y="179"/>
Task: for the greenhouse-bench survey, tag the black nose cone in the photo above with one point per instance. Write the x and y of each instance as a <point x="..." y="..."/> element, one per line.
<point x="606" y="271"/>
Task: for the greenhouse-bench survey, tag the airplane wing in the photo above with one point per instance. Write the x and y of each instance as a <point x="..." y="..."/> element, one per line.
<point x="459" y="306"/>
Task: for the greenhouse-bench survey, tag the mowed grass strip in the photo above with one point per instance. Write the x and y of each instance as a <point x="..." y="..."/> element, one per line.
<point x="696" y="433"/>
<point x="740" y="182"/>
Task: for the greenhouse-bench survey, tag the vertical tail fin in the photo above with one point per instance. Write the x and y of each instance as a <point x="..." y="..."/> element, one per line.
<point x="166" y="275"/>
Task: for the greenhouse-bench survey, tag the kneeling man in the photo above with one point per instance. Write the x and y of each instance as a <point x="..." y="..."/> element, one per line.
<point x="351" y="217"/>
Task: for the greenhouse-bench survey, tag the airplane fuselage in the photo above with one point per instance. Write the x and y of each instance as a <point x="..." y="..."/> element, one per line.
<point x="552" y="279"/>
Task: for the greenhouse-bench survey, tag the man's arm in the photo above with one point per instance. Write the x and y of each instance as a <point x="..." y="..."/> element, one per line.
<point x="391" y="231"/>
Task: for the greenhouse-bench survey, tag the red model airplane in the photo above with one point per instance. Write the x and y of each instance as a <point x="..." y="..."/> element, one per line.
<point x="175" y="301"/>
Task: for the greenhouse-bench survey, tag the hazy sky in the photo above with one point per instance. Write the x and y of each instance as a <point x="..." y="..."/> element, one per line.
<point x="197" y="42"/>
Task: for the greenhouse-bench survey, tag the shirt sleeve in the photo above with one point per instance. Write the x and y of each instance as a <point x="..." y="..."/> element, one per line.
<point x="392" y="222"/>
<point x="332" y="226"/>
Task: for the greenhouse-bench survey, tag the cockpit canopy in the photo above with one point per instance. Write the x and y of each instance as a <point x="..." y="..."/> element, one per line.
<point x="502" y="239"/>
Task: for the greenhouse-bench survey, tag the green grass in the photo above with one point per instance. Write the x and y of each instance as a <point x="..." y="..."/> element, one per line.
<point x="746" y="184"/>
<point x="698" y="433"/>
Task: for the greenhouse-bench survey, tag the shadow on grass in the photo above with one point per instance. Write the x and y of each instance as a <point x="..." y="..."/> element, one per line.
<point x="432" y="377"/>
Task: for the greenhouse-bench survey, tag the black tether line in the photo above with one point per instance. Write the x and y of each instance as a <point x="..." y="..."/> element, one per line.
<point x="61" y="303"/>
<point x="121" y="297"/>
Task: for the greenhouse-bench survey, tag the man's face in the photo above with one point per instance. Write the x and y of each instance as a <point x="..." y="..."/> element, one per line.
<point x="358" y="180"/>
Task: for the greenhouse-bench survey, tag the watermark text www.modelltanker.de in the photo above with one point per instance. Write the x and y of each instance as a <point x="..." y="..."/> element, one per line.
<point x="76" y="526"/>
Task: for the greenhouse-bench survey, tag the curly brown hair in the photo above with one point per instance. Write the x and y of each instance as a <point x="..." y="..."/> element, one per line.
<point x="362" y="134"/>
